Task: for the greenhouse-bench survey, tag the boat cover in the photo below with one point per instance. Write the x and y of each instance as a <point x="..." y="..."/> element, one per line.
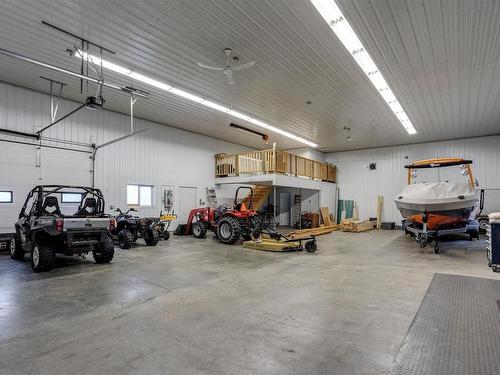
<point x="437" y="192"/>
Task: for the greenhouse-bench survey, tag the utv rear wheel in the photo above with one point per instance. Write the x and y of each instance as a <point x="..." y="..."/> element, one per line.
<point x="125" y="239"/>
<point x="16" y="251"/>
<point x="229" y="230"/>
<point x="42" y="257"/>
<point x="199" y="229"/>
<point x="151" y="237"/>
<point x="104" y="252"/>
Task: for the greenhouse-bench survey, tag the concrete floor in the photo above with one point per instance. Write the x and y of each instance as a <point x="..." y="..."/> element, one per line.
<point x="197" y="307"/>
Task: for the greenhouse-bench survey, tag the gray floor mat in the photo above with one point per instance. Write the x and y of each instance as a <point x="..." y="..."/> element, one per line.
<point x="456" y="329"/>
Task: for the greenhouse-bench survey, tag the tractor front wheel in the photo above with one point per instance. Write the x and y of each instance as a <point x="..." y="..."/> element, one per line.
<point x="199" y="229"/>
<point x="229" y="230"/>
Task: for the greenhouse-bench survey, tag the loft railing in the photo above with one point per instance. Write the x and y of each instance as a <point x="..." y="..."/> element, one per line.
<point x="273" y="161"/>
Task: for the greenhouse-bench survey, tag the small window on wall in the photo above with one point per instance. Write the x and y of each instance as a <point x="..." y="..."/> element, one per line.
<point x="139" y="195"/>
<point x="5" y="196"/>
<point x="71" y="198"/>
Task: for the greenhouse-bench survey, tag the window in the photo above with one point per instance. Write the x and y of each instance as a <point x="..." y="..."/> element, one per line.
<point x="5" y="196"/>
<point x="139" y="195"/>
<point x="71" y="197"/>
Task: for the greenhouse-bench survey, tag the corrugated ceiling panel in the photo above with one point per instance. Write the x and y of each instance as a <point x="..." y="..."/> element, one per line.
<point x="439" y="57"/>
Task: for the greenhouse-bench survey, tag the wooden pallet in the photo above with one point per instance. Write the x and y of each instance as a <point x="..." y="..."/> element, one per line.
<point x="356" y="226"/>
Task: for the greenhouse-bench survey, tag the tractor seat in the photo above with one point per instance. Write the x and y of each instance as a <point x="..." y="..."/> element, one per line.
<point x="51" y="206"/>
<point x="89" y="207"/>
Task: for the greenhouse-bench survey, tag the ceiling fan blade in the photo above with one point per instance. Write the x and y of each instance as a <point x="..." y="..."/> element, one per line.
<point x="229" y="76"/>
<point x="209" y="67"/>
<point x="243" y="66"/>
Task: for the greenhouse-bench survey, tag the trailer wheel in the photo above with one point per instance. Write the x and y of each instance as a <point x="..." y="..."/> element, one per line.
<point x="104" y="252"/>
<point x="436" y="248"/>
<point x="199" y="229"/>
<point x="311" y="246"/>
<point x="15" y="248"/>
<point x="42" y="257"/>
<point x="483" y="225"/>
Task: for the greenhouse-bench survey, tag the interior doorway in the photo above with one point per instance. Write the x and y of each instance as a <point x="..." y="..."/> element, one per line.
<point x="187" y="201"/>
<point x="284" y="213"/>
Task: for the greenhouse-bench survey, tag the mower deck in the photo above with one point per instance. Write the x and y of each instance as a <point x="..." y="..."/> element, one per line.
<point x="270" y="244"/>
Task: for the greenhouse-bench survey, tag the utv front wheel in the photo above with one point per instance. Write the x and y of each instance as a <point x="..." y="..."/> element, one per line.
<point x="151" y="237"/>
<point x="42" y="257"/>
<point x="104" y="252"/>
<point x="199" y="229"/>
<point x="125" y="239"/>
<point x="228" y="230"/>
<point x="16" y="251"/>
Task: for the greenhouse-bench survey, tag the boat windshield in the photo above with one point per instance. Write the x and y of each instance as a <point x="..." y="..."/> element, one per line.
<point x="441" y="170"/>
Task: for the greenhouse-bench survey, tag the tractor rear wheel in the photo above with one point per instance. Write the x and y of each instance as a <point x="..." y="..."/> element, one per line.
<point x="229" y="230"/>
<point x="199" y="229"/>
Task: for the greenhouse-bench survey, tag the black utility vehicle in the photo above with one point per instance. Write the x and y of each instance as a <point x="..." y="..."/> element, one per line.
<point x="68" y="220"/>
<point x="129" y="228"/>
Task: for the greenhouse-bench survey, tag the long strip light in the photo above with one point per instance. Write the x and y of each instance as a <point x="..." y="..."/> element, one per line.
<point x="187" y="95"/>
<point x="341" y="27"/>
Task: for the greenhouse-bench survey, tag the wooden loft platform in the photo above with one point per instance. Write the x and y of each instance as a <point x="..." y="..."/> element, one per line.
<point x="258" y="166"/>
<point x="272" y="179"/>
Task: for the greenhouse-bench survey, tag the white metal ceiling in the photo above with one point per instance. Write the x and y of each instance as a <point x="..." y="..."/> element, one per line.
<point x="440" y="58"/>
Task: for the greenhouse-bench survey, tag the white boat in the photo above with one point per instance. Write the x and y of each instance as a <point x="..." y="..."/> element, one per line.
<point x="440" y="205"/>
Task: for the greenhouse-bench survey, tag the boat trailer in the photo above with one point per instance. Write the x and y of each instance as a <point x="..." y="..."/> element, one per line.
<point x="424" y="236"/>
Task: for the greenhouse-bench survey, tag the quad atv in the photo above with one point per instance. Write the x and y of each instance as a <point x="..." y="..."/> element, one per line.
<point x="43" y="230"/>
<point x="129" y="228"/>
<point x="238" y="221"/>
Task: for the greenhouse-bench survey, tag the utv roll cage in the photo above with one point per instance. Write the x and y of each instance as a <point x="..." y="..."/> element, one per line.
<point x="40" y="193"/>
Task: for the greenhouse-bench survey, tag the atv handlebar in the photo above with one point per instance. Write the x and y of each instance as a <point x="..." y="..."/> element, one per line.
<point x="121" y="213"/>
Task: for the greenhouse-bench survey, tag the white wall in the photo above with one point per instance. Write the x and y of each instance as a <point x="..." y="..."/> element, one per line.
<point x="357" y="183"/>
<point x="161" y="156"/>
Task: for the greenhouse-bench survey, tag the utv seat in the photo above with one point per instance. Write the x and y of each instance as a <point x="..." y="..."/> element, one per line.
<point x="89" y="208"/>
<point x="51" y="206"/>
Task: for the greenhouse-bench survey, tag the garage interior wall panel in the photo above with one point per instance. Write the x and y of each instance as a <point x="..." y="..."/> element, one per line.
<point x="356" y="182"/>
<point x="161" y="156"/>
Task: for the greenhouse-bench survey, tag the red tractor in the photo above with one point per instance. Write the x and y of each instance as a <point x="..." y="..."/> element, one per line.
<point x="228" y="223"/>
<point x="239" y="221"/>
<point x="199" y="221"/>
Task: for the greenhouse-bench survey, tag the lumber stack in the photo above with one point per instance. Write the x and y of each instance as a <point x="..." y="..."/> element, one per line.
<point x="356" y="226"/>
<point x="303" y="233"/>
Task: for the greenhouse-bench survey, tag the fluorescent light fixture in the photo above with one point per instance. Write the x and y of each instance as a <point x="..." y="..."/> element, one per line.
<point x="105" y="63"/>
<point x="149" y="81"/>
<point x="332" y="14"/>
<point x="216" y="106"/>
<point x="187" y="95"/>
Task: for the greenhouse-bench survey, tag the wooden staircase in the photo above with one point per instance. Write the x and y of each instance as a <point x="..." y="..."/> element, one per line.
<point x="260" y="194"/>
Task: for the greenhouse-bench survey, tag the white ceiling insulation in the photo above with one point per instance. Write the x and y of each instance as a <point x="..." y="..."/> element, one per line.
<point x="439" y="57"/>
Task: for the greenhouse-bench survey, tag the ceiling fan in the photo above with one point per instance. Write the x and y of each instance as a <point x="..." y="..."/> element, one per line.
<point x="228" y="69"/>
